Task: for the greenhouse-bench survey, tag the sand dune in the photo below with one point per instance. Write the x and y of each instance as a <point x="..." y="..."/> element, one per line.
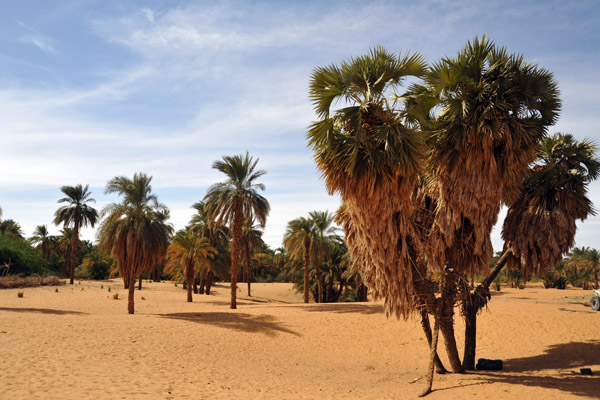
<point x="81" y="343"/>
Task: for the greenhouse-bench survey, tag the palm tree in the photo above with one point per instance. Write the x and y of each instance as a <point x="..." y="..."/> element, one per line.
<point x="42" y="239"/>
<point x="585" y="259"/>
<point x="297" y="241"/>
<point x="367" y="154"/>
<point x="493" y="109"/>
<point x="76" y="214"/>
<point x="234" y="200"/>
<point x="251" y="240"/>
<point x="133" y="232"/>
<point x="188" y="253"/>
<point x="11" y="229"/>
<point x="324" y="231"/>
<point x="65" y="241"/>
<point x="553" y="198"/>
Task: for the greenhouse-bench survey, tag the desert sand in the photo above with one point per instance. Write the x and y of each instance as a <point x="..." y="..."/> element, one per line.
<point x="79" y="342"/>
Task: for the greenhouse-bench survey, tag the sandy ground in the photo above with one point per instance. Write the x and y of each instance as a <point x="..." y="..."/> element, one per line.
<point x="80" y="343"/>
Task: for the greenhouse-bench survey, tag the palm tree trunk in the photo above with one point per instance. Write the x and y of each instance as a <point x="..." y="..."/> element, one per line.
<point x="235" y="251"/>
<point x="432" y="356"/>
<point x="319" y="283"/>
<point x="447" y="320"/>
<point x="74" y="245"/>
<point x="247" y="264"/>
<point x="439" y="366"/>
<point x="306" y="264"/>
<point x="208" y="282"/>
<point x="475" y="302"/>
<point x="130" y="304"/>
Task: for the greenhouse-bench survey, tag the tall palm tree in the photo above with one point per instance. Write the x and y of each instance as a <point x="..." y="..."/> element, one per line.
<point x="76" y="214"/>
<point x="232" y="201"/>
<point x="493" y="109"/>
<point x="42" y="239"/>
<point x="366" y="153"/>
<point x="540" y="225"/>
<point x="297" y="241"/>
<point x="323" y="232"/>
<point x="188" y="253"/>
<point x="134" y="231"/>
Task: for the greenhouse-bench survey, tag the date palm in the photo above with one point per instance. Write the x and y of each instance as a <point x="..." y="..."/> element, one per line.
<point x="11" y="228"/>
<point x="323" y="232"/>
<point x="43" y="240"/>
<point x="133" y="231"/>
<point x="236" y="199"/>
<point x="251" y="241"/>
<point x="297" y="241"/>
<point x="188" y="253"/>
<point x="76" y="214"/>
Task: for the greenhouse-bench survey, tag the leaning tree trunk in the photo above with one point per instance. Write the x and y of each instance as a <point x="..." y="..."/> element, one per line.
<point x="306" y="264"/>
<point x="439" y="366"/>
<point x="74" y="246"/>
<point x="476" y="301"/>
<point x="130" y="304"/>
<point x="235" y="250"/>
<point x="432" y="354"/>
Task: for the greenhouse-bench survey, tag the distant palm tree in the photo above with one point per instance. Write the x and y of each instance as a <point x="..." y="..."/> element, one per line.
<point x="234" y="200"/>
<point x="134" y="231"/>
<point x="76" y="214"/>
<point x="11" y="229"/>
<point x="251" y="240"/>
<point x="188" y="253"/>
<point x="297" y="240"/>
<point x="64" y="242"/>
<point x="43" y="240"/>
<point x="323" y="232"/>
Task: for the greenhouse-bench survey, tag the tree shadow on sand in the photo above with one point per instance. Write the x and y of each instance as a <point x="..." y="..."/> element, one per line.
<point x="42" y="311"/>
<point x="265" y="324"/>
<point x="565" y="356"/>
<point x="344" y="308"/>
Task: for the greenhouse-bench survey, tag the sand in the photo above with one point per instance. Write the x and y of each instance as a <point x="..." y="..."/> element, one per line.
<point x="81" y="343"/>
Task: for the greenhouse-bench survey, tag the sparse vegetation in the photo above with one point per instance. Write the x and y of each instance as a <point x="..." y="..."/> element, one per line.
<point x="20" y="294"/>
<point x="116" y="296"/>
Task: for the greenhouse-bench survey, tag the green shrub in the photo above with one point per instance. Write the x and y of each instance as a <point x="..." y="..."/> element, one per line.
<point x="24" y="259"/>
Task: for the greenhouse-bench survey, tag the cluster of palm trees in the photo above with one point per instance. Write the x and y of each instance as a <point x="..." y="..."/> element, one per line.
<point x="136" y="235"/>
<point x="312" y="239"/>
<point x="423" y="176"/>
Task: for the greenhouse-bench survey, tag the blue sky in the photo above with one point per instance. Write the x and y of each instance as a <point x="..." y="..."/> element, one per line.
<point x="94" y="89"/>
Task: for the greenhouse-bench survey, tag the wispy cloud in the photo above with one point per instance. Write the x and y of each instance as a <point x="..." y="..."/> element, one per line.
<point x="33" y="37"/>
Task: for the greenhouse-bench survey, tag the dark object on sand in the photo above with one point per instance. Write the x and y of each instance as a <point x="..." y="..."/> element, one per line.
<point x="595" y="303"/>
<point x="586" y="371"/>
<point x="483" y="364"/>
